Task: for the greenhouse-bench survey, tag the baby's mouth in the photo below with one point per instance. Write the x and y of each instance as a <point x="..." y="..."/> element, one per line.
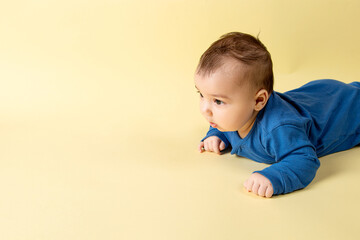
<point x="214" y="125"/>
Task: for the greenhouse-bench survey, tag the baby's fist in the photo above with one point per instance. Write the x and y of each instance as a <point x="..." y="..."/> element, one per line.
<point x="259" y="185"/>
<point x="212" y="144"/>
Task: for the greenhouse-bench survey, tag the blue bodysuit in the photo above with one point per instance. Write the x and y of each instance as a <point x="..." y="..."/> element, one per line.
<point x="297" y="127"/>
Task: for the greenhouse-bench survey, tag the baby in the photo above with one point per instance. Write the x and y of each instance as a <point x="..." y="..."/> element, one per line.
<point x="289" y="130"/>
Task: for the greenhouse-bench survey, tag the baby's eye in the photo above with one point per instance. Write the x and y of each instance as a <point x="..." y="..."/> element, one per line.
<point x="218" y="102"/>
<point x="200" y="94"/>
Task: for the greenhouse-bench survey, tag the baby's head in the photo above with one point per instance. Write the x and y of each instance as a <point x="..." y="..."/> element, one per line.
<point x="245" y="49"/>
<point x="234" y="78"/>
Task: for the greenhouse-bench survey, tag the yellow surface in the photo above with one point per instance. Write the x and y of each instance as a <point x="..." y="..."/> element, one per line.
<point x="99" y="120"/>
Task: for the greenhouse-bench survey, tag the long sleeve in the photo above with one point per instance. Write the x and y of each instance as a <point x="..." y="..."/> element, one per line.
<point x="295" y="157"/>
<point x="214" y="132"/>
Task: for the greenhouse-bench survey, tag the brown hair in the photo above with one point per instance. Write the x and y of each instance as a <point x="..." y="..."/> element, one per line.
<point x="247" y="50"/>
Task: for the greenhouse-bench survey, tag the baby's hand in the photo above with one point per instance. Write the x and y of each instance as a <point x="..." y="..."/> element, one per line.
<point x="259" y="185"/>
<point x="212" y="144"/>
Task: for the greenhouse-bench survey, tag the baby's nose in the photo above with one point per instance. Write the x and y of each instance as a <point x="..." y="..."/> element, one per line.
<point x="205" y="109"/>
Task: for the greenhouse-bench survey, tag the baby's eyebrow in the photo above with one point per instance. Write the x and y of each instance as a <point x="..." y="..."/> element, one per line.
<point x="216" y="95"/>
<point x="219" y="96"/>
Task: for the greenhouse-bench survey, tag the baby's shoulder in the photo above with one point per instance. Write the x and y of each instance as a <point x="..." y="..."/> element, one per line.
<point x="279" y="112"/>
<point x="272" y="124"/>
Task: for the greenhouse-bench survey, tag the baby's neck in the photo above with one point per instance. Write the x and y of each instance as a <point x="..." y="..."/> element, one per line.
<point x="244" y="131"/>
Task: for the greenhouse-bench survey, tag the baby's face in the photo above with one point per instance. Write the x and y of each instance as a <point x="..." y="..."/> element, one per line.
<point x="226" y="104"/>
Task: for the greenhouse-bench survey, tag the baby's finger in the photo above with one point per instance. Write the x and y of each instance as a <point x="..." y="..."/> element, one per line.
<point x="222" y="146"/>
<point x="255" y="188"/>
<point x="215" y="146"/>
<point x="262" y="190"/>
<point x="269" y="192"/>
<point x="248" y="185"/>
<point x="201" y="147"/>
<point x="206" y="146"/>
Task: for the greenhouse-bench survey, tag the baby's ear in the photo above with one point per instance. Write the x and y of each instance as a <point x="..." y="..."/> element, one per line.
<point x="261" y="98"/>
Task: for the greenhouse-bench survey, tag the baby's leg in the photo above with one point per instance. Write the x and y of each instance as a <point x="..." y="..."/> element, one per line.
<point x="356" y="84"/>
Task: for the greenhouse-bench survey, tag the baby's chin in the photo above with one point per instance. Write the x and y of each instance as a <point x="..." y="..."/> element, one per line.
<point x="222" y="129"/>
<point x="225" y="129"/>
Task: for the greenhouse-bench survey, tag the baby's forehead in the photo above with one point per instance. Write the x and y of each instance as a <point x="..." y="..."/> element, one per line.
<point x="221" y="80"/>
<point x="234" y="72"/>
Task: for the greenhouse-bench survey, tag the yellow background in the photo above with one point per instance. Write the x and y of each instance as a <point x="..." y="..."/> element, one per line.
<point x="99" y="120"/>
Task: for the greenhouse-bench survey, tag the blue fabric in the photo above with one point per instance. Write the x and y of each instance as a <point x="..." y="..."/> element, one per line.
<point x="296" y="128"/>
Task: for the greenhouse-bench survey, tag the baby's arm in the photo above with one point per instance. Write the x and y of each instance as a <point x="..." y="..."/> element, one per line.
<point x="212" y="144"/>
<point x="295" y="157"/>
